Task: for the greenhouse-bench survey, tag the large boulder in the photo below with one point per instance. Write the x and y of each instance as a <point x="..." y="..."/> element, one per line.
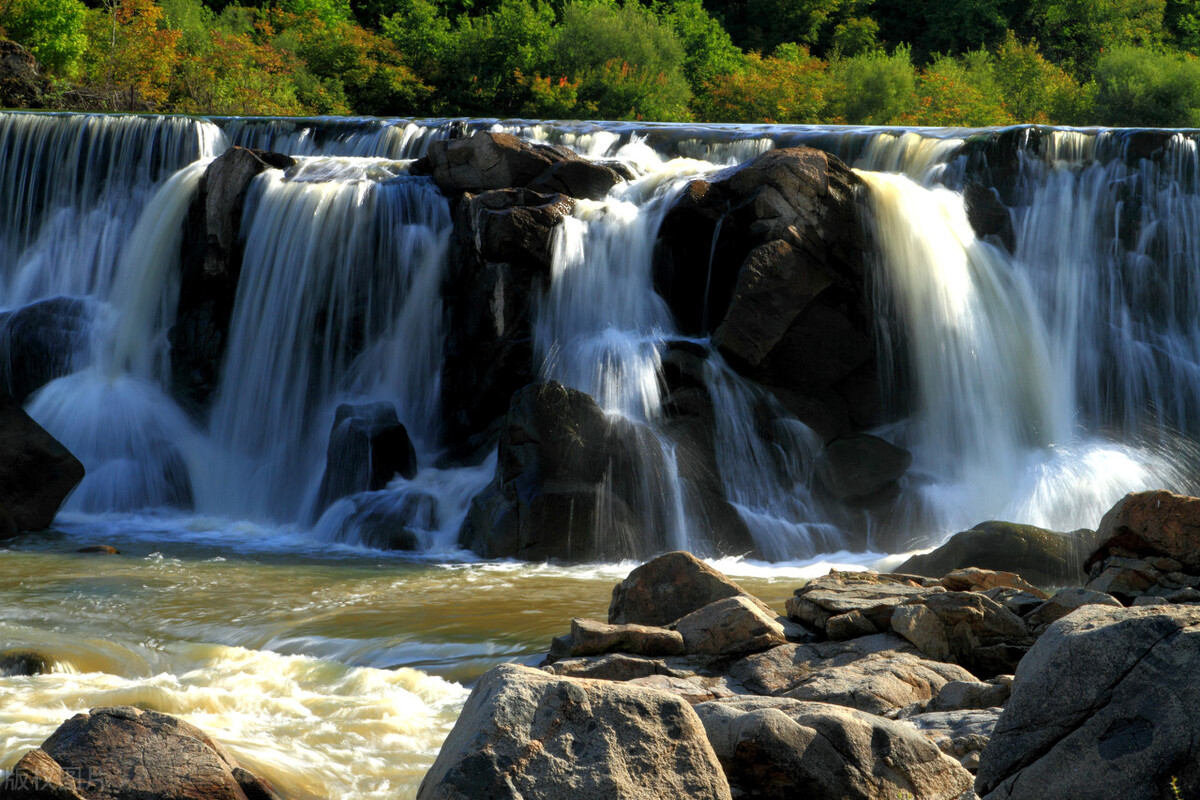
<point x="1147" y="544"/>
<point x="500" y="259"/>
<point x="36" y="471"/>
<point x="1103" y="706"/>
<point x="368" y="446"/>
<point x="782" y="748"/>
<point x="860" y="466"/>
<point x="122" y="753"/>
<point x="570" y="484"/>
<point x="732" y="626"/>
<point x="487" y="160"/>
<point x="967" y="628"/>
<point x="21" y="82"/>
<point x="1043" y="557"/>
<point x="878" y="683"/>
<point x="781" y="669"/>
<point x="866" y="597"/>
<point x="768" y="258"/>
<point x="211" y="268"/>
<point x="523" y="733"/>
<point x="669" y="587"/>
<point x="40" y="341"/>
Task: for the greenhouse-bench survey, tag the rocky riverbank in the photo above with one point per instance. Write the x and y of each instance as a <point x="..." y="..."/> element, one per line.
<point x="976" y="683"/>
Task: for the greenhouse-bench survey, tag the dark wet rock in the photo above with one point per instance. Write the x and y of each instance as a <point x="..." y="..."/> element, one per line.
<point x="103" y="549"/>
<point x="987" y="214"/>
<point x="859" y="466"/>
<point x="36" y="471"/>
<point x="964" y="627"/>
<point x="368" y="446"/>
<point x="1040" y="556"/>
<point x="1103" y="706"/>
<point x="730" y="626"/>
<point x="40" y="342"/>
<point x="123" y="752"/>
<point x="212" y="265"/>
<point x="569" y="484"/>
<point x="768" y="257"/>
<point x="22" y="84"/>
<point x="783" y="748"/>
<point x="528" y="734"/>
<point x="487" y="161"/>
<point x="874" y="595"/>
<point x="590" y="637"/>
<point x="580" y="178"/>
<point x="24" y="662"/>
<point x="1064" y="602"/>
<point x="387" y="520"/>
<point x="669" y="587"/>
<point x="1015" y="600"/>
<point x="500" y="257"/>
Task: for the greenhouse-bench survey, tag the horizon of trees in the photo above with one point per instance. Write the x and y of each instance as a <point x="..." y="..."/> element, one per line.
<point x="880" y="62"/>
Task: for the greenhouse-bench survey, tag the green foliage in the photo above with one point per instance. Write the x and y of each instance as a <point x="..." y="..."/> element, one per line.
<point x="1143" y="87"/>
<point x="329" y="12"/>
<point x="630" y="64"/>
<point x="873" y="88"/>
<point x="1074" y="33"/>
<point x="1181" y="21"/>
<point x="53" y="30"/>
<point x="788" y="87"/>
<point x="708" y="50"/>
<point x="962" y="91"/>
<point x="856" y="36"/>
<point x="1037" y="91"/>
<point x="491" y="50"/>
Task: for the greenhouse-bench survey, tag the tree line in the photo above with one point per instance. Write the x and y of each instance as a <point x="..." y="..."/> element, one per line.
<point x="884" y="62"/>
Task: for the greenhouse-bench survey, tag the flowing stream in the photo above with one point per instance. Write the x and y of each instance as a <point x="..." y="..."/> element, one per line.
<point x="1035" y="380"/>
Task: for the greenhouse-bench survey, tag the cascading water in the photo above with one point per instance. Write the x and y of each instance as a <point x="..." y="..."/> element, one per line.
<point x="1045" y="382"/>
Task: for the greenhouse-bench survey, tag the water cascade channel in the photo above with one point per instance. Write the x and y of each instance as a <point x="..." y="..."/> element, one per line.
<point x="1035" y="375"/>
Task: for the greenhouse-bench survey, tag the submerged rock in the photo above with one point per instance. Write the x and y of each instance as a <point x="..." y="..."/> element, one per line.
<point x="523" y="733"/>
<point x="1103" y="706"/>
<point x="36" y="471"/>
<point x="39" y="342"/>
<point x="123" y="752"/>
<point x="24" y="662"/>
<point x="368" y="446"/>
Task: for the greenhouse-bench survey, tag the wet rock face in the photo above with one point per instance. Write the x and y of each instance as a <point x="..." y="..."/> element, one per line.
<point x="38" y="343"/>
<point x="569" y="483"/>
<point x="487" y="161"/>
<point x="1043" y="557"/>
<point x="36" y="472"/>
<point x="368" y="446"/>
<point x="212" y="265"/>
<point x="500" y="257"/>
<point x="1102" y="707"/>
<point x="768" y="258"/>
<point x="123" y="752"/>
<point x="526" y="734"/>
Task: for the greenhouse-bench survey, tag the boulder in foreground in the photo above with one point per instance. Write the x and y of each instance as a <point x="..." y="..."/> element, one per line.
<point x="1103" y="706"/>
<point x="526" y="734"/>
<point x="36" y="471"/>
<point x="123" y="753"/>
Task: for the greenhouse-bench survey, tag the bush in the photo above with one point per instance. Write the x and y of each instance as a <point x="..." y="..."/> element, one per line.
<point x="962" y="92"/>
<point x="1036" y="91"/>
<point x="788" y="87"/>
<point x="873" y="89"/>
<point x="1142" y="87"/>
<point x="53" y="30"/>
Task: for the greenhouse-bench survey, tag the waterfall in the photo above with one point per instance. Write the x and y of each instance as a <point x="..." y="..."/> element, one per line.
<point x="339" y="292"/>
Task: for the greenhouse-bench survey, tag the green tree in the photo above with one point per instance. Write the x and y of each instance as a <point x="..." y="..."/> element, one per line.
<point x="787" y="87"/>
<point x="53" y="30"/>
<point x="708" y="50"/>
<point x="855" y="36"/>
<point x="961" y="91"/>
<point x="489" y="52"/>
<point x="1073" y="33"/>
<point x="1037" y="91"/>
<point x="873" y="88"/>
<point x="1181" y="20"/>
<point x="1141" y="87"/>
<point x="631" y="65"/>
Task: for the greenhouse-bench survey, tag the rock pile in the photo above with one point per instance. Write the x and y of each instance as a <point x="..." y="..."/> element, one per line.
<point x="871" y="686"/>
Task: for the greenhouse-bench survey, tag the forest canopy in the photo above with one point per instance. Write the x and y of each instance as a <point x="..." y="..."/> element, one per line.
<point x="879" y="62"/>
